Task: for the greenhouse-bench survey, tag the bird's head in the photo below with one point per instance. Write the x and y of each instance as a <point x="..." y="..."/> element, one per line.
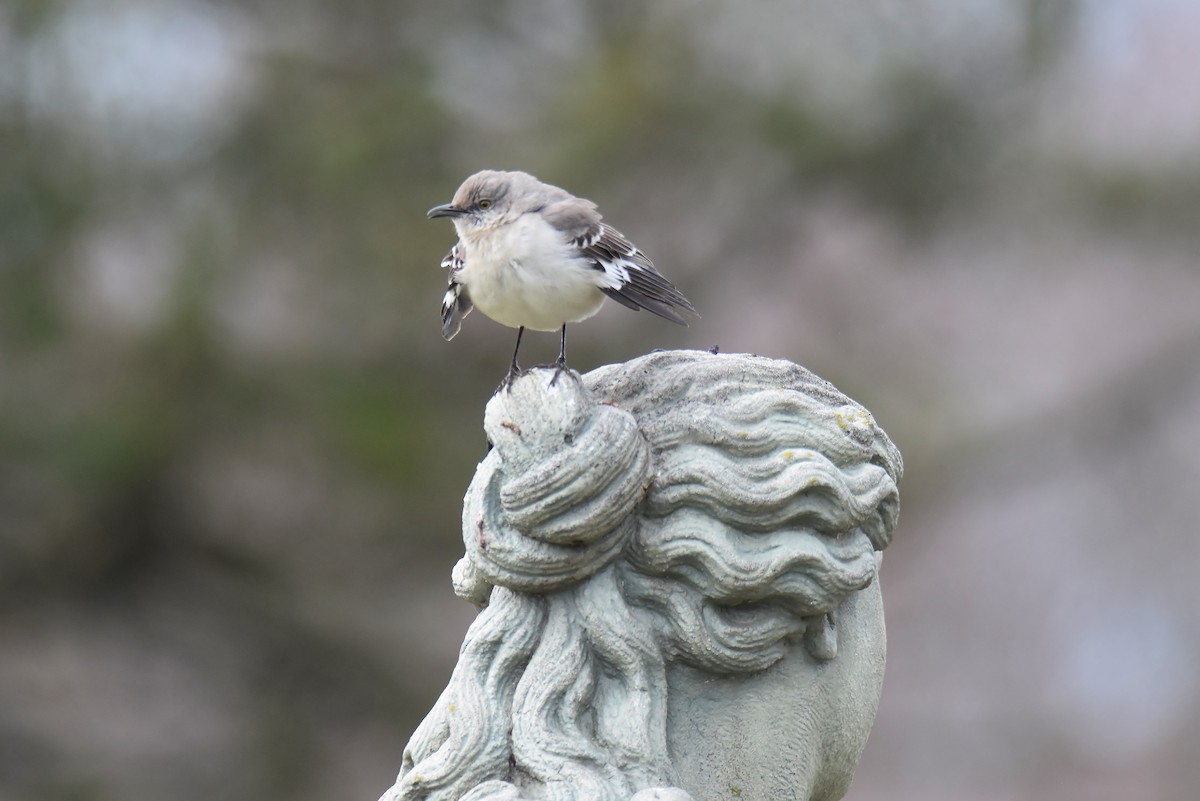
<point x="491" y="198"/>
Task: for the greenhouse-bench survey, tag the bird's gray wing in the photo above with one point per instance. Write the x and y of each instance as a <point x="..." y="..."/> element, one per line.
<point x="453" y="260"/>
<point x="456" y="303"/>
<point x="629" y="277"/>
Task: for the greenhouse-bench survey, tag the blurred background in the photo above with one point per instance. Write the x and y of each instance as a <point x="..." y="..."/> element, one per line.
<point x="233" y="443"/>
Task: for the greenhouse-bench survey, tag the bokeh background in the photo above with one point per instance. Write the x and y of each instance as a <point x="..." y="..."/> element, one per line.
<point x="233" y="444"/>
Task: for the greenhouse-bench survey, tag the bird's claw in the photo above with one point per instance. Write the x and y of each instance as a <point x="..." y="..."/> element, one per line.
<point x="560" y="367"/>
<point x="514" y="372"/>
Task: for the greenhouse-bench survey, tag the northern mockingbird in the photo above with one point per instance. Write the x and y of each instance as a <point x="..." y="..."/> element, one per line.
<point x="531" y="255"/>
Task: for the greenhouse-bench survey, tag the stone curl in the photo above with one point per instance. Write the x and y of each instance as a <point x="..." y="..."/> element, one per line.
<point x="552" y="503"/>
<point x="772" y="494"/>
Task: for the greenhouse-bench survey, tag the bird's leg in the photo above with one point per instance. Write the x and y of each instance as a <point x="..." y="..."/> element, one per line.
<point x="514" y="369"/>
<point x="560" y="364"/>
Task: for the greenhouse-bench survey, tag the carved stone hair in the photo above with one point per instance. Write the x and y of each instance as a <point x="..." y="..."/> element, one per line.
<point x="709" y="509"/>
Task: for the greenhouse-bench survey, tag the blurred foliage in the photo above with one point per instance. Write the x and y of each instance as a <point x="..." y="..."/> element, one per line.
<point x="232" y="444"/>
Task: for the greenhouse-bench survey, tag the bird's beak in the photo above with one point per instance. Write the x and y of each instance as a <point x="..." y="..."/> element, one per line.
<point x="445" y="210"/>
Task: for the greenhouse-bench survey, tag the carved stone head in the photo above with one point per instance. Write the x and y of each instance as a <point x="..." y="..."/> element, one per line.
<point x="675" y="560"/>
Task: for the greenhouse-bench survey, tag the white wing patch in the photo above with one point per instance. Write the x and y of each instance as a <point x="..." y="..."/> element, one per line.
<point x="630" y="277"/>
<point x="456" y="303"/>
<point x="453" y="259"/>
<point x="616" y="273"/>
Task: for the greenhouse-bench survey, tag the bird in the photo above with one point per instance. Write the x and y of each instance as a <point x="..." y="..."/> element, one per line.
<point x="532" y="255"/>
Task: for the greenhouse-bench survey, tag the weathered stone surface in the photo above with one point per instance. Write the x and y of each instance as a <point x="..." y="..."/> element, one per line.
<point x="675" y="561"/>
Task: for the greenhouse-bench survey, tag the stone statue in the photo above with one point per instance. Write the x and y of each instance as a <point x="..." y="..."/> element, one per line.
<point x="675" y="561"/>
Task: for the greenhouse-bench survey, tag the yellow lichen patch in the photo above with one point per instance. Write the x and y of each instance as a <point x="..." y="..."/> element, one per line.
<point x="857" y="418"/>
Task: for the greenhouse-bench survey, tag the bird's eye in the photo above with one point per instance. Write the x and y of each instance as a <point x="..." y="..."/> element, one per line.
<point x="484" y="204"/>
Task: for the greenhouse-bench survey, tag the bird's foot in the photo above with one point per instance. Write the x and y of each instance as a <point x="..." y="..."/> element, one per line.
<point x="514" y="372"/>
<point x="560" y="367"/>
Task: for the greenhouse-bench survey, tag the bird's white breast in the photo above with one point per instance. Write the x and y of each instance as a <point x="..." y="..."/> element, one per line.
<point x="525" y="273"/>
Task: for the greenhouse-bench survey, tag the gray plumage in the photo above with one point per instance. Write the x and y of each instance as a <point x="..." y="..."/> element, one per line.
<point x="532" y="255"/>
<point x="607" y="250"/>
